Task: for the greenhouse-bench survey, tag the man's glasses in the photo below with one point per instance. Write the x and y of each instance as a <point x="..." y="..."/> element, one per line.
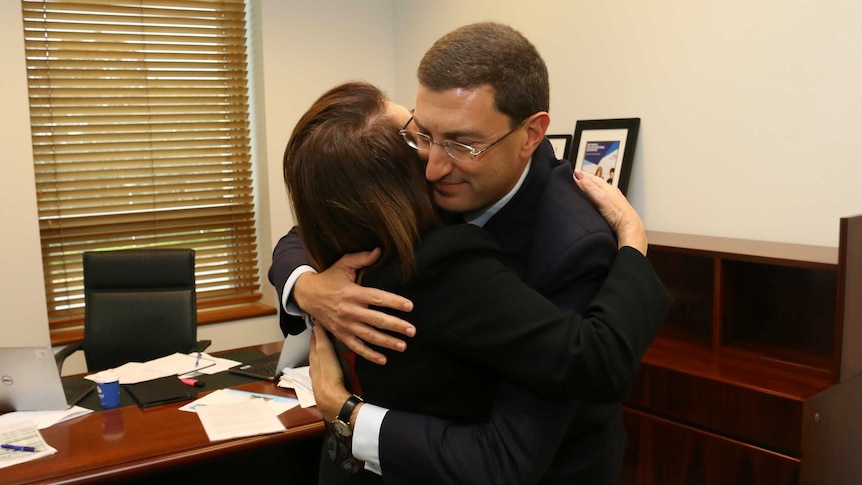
<point x="457" y="151"/>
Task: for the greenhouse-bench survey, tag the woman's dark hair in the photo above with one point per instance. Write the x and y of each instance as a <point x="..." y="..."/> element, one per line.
<point x="353" y="182"/>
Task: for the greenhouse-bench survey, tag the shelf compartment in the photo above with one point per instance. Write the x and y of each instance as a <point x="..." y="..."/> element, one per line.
<point x="781" y="315"/>
<point x="663" y="452"/>
<point x="690" y="281"/>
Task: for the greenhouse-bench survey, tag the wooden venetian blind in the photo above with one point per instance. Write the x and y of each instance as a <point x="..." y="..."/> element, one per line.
<point x="139" y="114"/>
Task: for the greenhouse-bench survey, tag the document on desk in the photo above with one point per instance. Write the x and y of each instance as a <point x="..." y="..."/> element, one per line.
<point x="174" y="364"/>
<point x="218" y="364"/>
<point x="43" y="419"/>
<point x="19" y="438"/>
<point x="278" y="404"/>
<point x="249" y="417"/>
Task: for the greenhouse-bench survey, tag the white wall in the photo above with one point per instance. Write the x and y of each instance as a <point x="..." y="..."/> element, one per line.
<point x="23" y="316"/>
<point x="310" y="47"/>
<point x="749" y="110"/>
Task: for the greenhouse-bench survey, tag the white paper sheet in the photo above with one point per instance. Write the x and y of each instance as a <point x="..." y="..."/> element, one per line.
<point x="219" y="364"/>
<point x="299" y="380"/>
<point x="278" y="404"/>
<point x="179" y="364"/>
<point x="22" y="434"/>
<point x="249" y="417"/>
<point x="43" y="419"/>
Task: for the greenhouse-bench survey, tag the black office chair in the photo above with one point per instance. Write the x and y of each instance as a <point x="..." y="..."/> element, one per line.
<point x="140" y="305"/>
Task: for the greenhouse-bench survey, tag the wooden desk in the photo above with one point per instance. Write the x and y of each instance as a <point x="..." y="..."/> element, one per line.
<point x="134" y="445"/>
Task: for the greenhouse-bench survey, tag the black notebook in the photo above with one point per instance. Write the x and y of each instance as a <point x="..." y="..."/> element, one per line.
<point x="161" y="391"/>
<point x="76" y="390"/>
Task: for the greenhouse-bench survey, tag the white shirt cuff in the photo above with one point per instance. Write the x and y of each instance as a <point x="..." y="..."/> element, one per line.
<point x="287" y="305"/>
<point x="366" y="436"/>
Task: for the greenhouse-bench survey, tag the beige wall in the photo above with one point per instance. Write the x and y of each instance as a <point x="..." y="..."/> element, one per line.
<point x="749" y="112"/>
<point x="309" y="47"/>
<point x="23" y="319"/>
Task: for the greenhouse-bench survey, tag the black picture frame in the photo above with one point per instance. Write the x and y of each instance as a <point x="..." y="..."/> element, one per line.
<point x="562" y="145"/>
<point x="606" y="147"/>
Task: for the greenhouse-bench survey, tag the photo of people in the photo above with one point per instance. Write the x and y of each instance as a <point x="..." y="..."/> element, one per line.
<point x="600" y="157"/>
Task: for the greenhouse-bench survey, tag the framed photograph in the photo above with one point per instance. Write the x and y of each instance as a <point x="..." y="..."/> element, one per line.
<point x="607" y="148"/>
<point x="562" y="145"/>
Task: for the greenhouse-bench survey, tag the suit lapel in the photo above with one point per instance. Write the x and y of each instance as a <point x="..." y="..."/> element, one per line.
<point x="512" y="226"/>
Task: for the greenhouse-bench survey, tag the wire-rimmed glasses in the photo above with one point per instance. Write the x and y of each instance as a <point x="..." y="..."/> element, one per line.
<point x="457" y="151"/>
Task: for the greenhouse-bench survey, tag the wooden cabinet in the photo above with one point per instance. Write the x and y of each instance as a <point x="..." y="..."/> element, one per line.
<point x="755" y="376"/>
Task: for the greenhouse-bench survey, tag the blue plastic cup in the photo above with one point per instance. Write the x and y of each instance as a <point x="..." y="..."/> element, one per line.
<point x="108" y="387"/>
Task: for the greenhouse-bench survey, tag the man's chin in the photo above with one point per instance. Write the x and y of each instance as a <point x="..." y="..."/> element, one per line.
<point x="449" y="203"/>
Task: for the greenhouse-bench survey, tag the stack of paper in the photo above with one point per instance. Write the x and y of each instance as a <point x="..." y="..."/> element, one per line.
<point x="26" y="436"/>
<point x="42" y="419"/>
<point x="174" y="364"/>
<point x="238" y="419"/>
<point x="298" y="380"/>
<point x="231" y="413"/>
<point x="278" y="404"/>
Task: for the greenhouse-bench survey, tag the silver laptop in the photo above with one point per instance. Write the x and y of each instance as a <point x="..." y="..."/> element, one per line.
<point x="30" y="380"/>
<point x="294" y="353"/>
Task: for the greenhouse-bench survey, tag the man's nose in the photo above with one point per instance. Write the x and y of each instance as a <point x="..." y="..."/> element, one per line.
<point x="439" y="163"/>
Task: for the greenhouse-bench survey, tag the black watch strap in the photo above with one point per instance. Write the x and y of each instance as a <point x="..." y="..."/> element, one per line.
<point x="347" y="409"/>
<point x="338" y="442"/>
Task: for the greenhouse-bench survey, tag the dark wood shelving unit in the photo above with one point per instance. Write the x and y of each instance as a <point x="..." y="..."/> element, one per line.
<point x="756" y="376"/>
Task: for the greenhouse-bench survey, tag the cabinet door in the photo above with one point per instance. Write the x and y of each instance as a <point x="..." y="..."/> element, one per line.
<point x="662" y="452"/>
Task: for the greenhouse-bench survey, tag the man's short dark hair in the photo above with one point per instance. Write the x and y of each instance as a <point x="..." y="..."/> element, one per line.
<point x="494" y="54"/>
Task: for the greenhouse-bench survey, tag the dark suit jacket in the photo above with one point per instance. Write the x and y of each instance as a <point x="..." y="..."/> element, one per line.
<point x="560" y="245"/>
<point x="288" y="255"/>
<point x="566" y="259"/>
<point x="477" y="321"/>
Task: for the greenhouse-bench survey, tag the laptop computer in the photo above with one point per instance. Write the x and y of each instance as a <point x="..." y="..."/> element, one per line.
<point x="294" y="353"/>
<point x="30" y="381"/>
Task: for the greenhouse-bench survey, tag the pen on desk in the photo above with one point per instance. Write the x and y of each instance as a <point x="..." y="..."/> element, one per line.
<point x="198" y="360"/>
<point x="17" y="448"/>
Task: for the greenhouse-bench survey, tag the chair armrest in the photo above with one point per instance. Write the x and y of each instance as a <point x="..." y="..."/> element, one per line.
<point x="66" y="351"/>
<point x="201" y="345"/>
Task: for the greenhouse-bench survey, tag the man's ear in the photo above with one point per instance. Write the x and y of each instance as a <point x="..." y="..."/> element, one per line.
<point x="536" y="126"/>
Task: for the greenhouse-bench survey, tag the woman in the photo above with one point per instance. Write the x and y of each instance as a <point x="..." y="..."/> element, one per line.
<point x="356" y="186"/>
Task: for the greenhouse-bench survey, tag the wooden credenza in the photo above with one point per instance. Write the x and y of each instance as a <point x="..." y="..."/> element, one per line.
<point x="756" y="377"/>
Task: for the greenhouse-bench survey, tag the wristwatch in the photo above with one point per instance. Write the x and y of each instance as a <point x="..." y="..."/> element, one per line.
<point x="341" y="425"/>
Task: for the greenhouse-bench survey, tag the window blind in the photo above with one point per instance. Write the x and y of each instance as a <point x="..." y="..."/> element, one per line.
<point x="139" y="114"/>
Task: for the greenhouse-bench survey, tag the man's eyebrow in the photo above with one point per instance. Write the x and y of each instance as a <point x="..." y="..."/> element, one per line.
<point x="450" y="134"/>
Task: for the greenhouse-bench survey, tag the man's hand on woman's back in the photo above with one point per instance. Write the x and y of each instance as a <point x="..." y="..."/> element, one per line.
<point x="341" y="306"/>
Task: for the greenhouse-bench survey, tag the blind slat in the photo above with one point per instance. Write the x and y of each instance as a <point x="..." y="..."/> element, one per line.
<point x="72" y="222"/>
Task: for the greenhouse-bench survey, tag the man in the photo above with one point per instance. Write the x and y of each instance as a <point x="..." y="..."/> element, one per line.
<point x="480" y="118"/>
